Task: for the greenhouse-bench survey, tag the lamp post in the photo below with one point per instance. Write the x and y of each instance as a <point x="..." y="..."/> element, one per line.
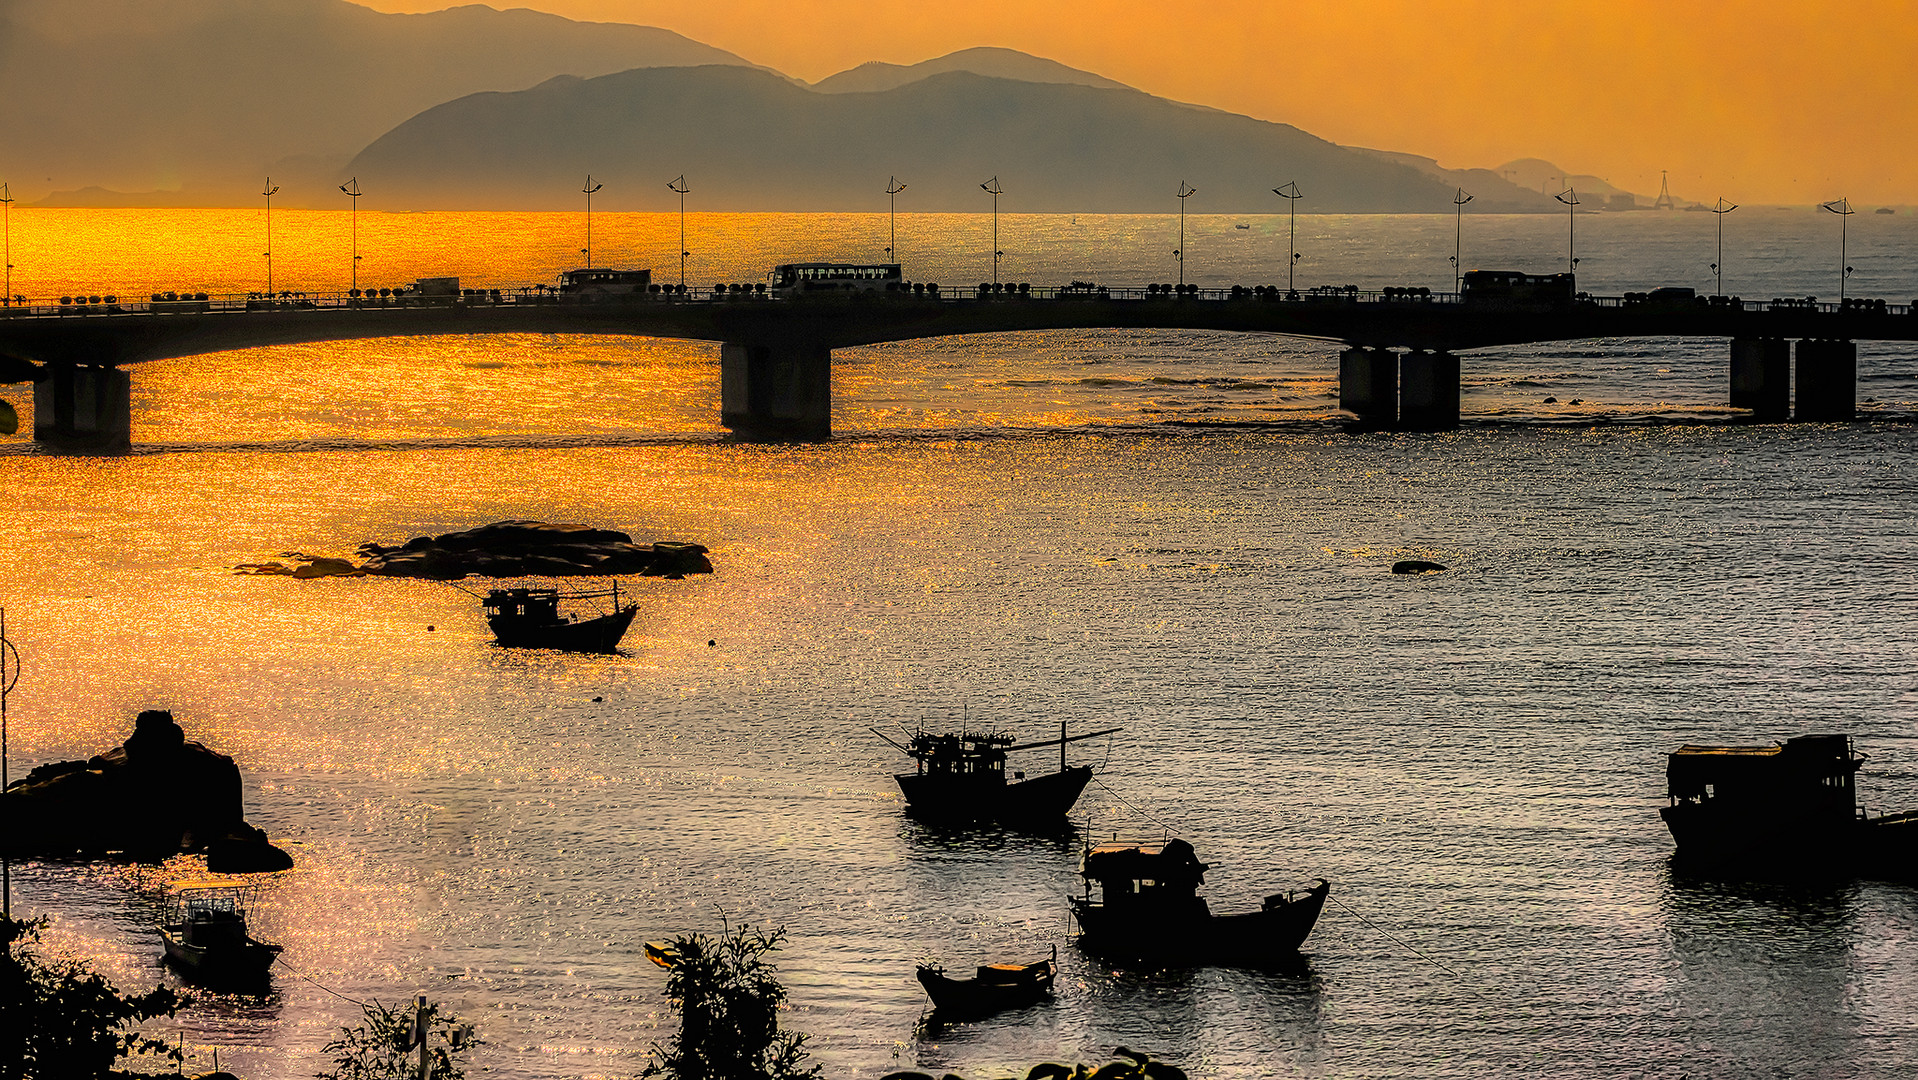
<point x="679" y="185"/>
<point x="6" y="226"/>
<point x="1458" y="239"/>
<point x="1290" y="192"/>
<point x="992" y="188"/>
<point x="268" y="193"/>
<point x="1841" y="207"/>
<point x="1570" y="198"/>
<point x="587" y="189"/>
<point x="1184" y="194"/>
<point x="9" y="674"/>
<point x="1721" y="208"/>
<point x="352" y="187"/>
<point x="893" y="188"/>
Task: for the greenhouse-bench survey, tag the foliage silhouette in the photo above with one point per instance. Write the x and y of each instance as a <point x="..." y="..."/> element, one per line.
<point x="382" y="1046"/>
<point x="62" y="1019"/>
<point x="728" y="999"/>
<point x="1140" y="1067"/>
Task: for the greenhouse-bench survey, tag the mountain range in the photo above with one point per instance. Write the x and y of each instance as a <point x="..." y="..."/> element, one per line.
<point x="195" y="102"/>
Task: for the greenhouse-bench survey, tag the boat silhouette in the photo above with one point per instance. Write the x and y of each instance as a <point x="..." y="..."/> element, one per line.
<point x="961" y="777"/>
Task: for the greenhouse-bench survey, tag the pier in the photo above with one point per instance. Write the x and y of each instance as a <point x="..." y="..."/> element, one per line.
<point x="1399" y="350"/>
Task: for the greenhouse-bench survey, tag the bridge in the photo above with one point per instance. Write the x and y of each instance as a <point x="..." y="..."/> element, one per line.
<point x="1398" y="358"/>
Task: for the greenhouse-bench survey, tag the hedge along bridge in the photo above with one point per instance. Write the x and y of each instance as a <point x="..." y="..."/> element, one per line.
<point x="1399" y="365"/>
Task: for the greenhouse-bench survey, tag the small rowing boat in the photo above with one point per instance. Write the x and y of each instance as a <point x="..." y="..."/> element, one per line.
<point x="994" y="987"/>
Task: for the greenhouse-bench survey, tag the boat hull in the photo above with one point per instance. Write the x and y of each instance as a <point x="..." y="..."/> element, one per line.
<point x="1718" y="840"/>
<point x="1042" y="800"/>
<point x="601" y="635"/>
<point x="998" y="987"/>
<point x="237" y="966"/>
<point x="1195" y="937"/>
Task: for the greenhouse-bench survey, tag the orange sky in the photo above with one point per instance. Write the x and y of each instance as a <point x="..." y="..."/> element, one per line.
<point x="1760" y="102"/>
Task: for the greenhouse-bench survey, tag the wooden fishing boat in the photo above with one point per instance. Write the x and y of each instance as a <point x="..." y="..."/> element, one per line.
<point x="1789" y="808"/>
<point x="1149" y="911"/>
<point x="206" y="937"/>
<point x="994" y="987"/>
<point x="531" y="619"/>
<point x="962" y="778"/>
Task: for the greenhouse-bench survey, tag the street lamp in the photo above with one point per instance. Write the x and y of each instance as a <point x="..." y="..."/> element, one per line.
<point x="587" y="189"/>
<point x="6" y="226"/>
<point x="992" y="187"/>
<point x="1184" y="194"/>
<point x="1721" y="208"/>
<point x="1458" y="239"/>
<point x="352" y="187"/>
<point x="893" y="188"/>
<point x="1841" y="207"/>
<point x="268" y="193"/>
<point x="9" y="674"/>
<point x="1570" y="198"/>
<point x="679" y="185"/>
<point x="1290" y="192"/>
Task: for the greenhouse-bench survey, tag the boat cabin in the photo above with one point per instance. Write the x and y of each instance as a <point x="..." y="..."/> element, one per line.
<point x="1145" y="877"/>
<point x="209" y="916"/>
<point x="533" y="605"/>
<point x="1809" y="778"/>
<point x="967" y="755"/>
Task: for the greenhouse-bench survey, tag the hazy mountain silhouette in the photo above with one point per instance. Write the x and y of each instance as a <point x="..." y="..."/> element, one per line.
<point x="995" y="63"/>
<point x="750" y="140"/>
<point x="209" y="95"/>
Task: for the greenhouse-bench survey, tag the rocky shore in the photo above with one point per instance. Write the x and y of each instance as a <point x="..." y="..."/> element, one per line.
<point x="505" y="549"/>
<point x="156" y="795"/>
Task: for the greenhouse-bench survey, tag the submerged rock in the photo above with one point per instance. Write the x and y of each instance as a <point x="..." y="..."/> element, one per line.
<point x="1418" y="566"/>
<point x="155" y="795"/>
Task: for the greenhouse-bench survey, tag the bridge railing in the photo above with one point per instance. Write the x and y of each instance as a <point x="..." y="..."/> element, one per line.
<point x="173" y="303"/>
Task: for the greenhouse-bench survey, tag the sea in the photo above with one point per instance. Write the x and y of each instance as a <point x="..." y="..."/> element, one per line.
<point x="1170" y="532"/>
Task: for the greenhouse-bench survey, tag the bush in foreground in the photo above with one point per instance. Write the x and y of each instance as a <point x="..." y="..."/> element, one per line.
<point x="728" y="998"/>
<point x="63" y="1020"/>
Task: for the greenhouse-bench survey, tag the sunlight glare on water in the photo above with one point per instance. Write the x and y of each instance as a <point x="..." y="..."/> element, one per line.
<point x="1163" y="530"/>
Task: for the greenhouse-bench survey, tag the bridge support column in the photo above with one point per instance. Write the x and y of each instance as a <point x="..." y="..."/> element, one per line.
<point x="1369" y="385"/>
<point x="1827" y="387"/>
<point x="776" y="391"/>
<point x="82" y="407"/>
<point x="1428" y="391"/>
<point x="1761" y="377"/>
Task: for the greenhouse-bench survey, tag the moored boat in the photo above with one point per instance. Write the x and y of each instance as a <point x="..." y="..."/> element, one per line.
<point x="992" y="988"/>
<point x="206" y="937"/>
<point x="962" y="778"/>
<point x="531" y="619"/>
<point x="1788" y="808"/>
<point x="1149" y="911"/>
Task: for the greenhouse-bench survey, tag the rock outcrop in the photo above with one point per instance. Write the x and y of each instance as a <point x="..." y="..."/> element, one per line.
<point x="154" y="796"/>
<point x="508" y="549"/>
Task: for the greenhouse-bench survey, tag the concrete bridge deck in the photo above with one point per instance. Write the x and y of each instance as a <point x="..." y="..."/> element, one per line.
<point x="776" y="353"/>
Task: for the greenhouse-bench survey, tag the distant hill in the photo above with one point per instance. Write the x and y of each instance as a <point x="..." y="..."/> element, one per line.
<point x="205" y="97"/>
<point x="991" y="62"/>
<point x="750" y="140"/>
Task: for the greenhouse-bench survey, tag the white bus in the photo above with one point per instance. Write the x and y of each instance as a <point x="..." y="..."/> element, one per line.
<point x="803" y="279"/>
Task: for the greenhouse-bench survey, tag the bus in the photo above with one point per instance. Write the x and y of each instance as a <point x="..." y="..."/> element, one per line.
<point x="1511" y="290"/>
<point x="599" y="283"/>
<point x="812" y="279"/>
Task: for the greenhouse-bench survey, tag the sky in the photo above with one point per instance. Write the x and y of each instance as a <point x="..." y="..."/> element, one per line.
<point x="1755" y="101"/>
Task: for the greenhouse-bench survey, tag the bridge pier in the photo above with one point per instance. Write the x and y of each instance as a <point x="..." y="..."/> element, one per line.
<point x="776" y="391"/>
<point x="1761" y="377"/>
<point x="1369" y="385"/>
<point x="83" y="407"/>
<point x="1428" y="391"/>
<point x="1827" y="387"/>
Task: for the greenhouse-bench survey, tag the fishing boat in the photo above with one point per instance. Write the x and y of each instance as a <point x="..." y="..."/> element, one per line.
<point x="531" y="619"/>
<point x="1790" y="807"/>
<point x="1149" y="911"/>
<point x="962" y="778"/>
<point x="994" y="987"/>
<point x="206" y="937"/>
